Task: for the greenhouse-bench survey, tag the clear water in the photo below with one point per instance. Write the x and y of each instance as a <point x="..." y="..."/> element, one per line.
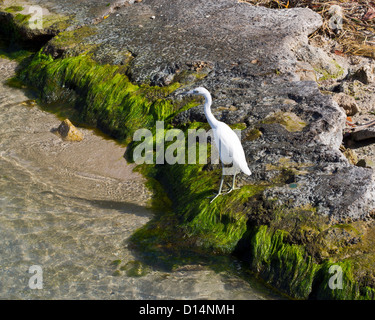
<point x="70" y="208"/>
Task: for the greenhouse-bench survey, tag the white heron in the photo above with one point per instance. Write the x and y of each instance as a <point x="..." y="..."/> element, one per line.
<point x="226" y="141"/>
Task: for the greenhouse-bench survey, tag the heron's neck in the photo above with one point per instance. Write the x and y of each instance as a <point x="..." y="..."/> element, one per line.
<point x="207" y="110"/>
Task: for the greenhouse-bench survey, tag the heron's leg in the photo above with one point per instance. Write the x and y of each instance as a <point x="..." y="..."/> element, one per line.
<point x="221" y="184"/>
<point x="233" y="184"/>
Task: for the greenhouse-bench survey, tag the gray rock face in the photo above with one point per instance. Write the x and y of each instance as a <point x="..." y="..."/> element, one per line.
<point x="363" y="134"/>
<point x="82" y="12"/>
<point x="248" y="58"/>
<point x="365" y="74"/>
<point x="225" y="33"/>
<point x="347" y="103"/>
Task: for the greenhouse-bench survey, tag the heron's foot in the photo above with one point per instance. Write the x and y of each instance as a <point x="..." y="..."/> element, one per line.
<point x="214" y="197"/>
<point x="231" y="189"/>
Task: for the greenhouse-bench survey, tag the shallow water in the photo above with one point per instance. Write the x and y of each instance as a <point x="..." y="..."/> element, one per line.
<point x="70" y="208"/>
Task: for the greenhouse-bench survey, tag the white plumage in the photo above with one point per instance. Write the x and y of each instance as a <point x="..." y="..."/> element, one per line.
<point x="226" y="140"/>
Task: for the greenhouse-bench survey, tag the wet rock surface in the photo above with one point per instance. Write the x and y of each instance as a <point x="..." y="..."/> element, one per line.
<point x="69" y="132"/>
<point x="254" y="61"/>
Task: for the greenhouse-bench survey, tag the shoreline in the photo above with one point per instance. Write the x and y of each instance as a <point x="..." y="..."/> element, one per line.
<point x="119" y="203"/>
<point x="80" y="160"/>
<point x="282" y="255"/>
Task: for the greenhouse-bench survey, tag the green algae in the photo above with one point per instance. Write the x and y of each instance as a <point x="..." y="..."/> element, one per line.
<point x="285" y="266"/>
<point x="288" y="120"/>
<point x="13" y="9"/>
<point x="135" y="269"/>
<point x="17" y="55"/>
<point x="253" y="134"/>
<point x="326" y="286"/>
<point x="68" y="38"/>
<point x="22" y="19"/>
<point x="327" y="75"/>
<point x="116" y="262"/>
<point x="190" y="186"/>
<point x="290" y="265"/>
<point x="71" y="42"/>
<point x="107" y="99"/>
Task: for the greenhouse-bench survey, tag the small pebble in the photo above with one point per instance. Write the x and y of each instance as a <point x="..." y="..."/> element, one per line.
<point x="153" y="17"/>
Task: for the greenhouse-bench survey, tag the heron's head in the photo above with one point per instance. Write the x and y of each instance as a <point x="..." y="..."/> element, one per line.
<point x="198" y="91"/>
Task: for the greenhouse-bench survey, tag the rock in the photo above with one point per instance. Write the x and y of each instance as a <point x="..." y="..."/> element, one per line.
<point x="362" y="163"/>
<point x="365" y="74"/>
<point x="325" y="66"/>
<point x="351" y="156"/>
<point x="364" y="134"/>
<point x="190" y="115"/>
<point x="347" y="103"/>
<point x="69" y="132"/>
<point x="306" y="71"/>
<point x="367" y="162"/>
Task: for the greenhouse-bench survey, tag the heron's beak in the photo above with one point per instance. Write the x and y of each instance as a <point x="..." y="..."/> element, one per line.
<point x="187" y="93"/>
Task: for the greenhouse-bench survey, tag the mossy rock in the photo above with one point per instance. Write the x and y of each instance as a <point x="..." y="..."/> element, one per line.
<point x="135" y="269"/>
<point x="13" y="9"/>
<point x="107" y="99"/>
<point x="116" y="262"/>
<point x="290" y="121"/>
<point x="253" y="134"/>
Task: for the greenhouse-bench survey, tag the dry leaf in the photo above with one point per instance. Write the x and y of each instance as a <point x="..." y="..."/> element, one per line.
<point x="370" y="14"/>
<point x="339" y="53"/>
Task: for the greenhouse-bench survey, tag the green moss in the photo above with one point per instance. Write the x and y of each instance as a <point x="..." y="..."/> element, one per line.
<point x="288" y="120"/>
<point x="135" y="269"/>
<point x="17" y="55"/>
<point x="326" y="286"/>
<point x="22" y="18"/>
<point x="116" y="262"/>
<point x="238" y="126"/>
<point x="253" y="134"/>
<point x="18" y="23"/>
<point x="116" y="273"/>
<point x="346" y="227"/>
<point x="326" y="75"/>
<point x="57" y="23"/>
<point x="13" y="9"/>
<point x="190" y="76"/>
<point x="107" y="99"/>
<point x="74" y="39"/>
<point x="285" y="266"/>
